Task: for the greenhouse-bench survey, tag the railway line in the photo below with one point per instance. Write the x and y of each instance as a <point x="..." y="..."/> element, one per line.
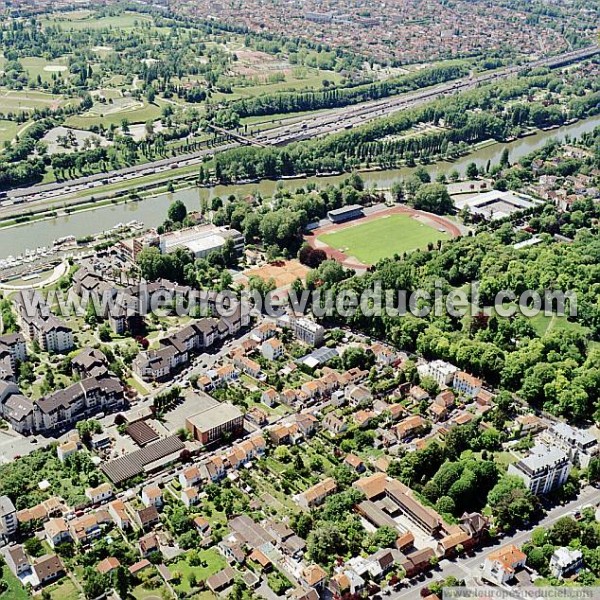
<point x="295" y="130"/>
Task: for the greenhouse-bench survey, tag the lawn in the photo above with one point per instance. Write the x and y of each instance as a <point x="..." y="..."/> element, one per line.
<point x="213" y="563"/>
<point x="15" y="590"/>
<point x="141" y="593"/>
<point x="133" y="111"/>
<point x="380" y="238"/>
<point x="545" y="323"/>
<point x="35" y="66"/>
<point x="17" y="101"/>
<point x="78" y="20"/>
<point x="8" y="130"/>
<point x="64" y="590"/>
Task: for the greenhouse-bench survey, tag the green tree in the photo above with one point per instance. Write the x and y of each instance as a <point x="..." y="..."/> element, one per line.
<point x="177" y="212"/>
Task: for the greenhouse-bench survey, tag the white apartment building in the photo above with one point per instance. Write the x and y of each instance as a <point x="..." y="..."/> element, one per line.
<point x="304" y="329"/>
<point x="581" y="446"/>
<point x="544" y="470"/>
<point x="8" y="517"/>
<point x="440" y="371"/>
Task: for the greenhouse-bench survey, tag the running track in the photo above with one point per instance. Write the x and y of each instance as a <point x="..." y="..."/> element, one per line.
<point x="311" y="238"/>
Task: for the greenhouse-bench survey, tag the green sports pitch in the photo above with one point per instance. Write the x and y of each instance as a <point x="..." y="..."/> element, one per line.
<point x="380" y="238"/>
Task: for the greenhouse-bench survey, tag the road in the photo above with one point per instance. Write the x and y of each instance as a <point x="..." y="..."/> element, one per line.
<point x="292" y="130"/>
<point x="468" y="567"/>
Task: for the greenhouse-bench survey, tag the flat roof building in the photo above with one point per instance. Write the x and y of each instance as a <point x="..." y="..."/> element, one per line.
<point x="544" y="470"/>
<point x="209" y="425"/>
<point x="345" y="213"/>
<point x="201" y="240"/>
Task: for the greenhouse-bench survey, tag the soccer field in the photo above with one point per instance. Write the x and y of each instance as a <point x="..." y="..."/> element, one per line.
<point x="380" y="238"/>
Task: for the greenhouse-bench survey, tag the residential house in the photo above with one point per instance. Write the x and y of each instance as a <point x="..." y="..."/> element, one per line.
<point x="16" y="560"/>
<point x="119" y="515"/>
<point x="261" y="560"/>
<point x="66" y="449"/>
<point x="358" y="395"/>
<point x="272" y="349"/>
<point x="355" y="463"/>
<point x="108" y="565"/>
<point x="100" y="494"/>
<point x="409" y="427"/>
<point x="313" y="576"/>
<point x="148" y="544"/>
<point x="47" y="569"/>
<point x="417" y="562"/>
<point x="566" y="562"/>
<point x="147" y="517"/>
<point x="363" y="417"/>
<point x="333" y="425"/>
<point x="8" y="517"/>
<point x="220" y="581"/>
<point x="466" y="384"/>
<point x="269" y="397"/>
<point x="418" y="394"/>
<point x="315" y="495"/>
<point x="202" y="527"/>
<point x="190" y="477"/>
<point x="152" y="496"/>
<point x="56" y="532"/>
<point x="88" y="527"/>
<point x="190" y="497"/>
<point x="500" y="566"/>
<point x="257" y="416"/>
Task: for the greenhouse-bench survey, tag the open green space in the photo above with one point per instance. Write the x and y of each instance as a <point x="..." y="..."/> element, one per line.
<point x="8" y="130"/>
<point x="107" y="114"/>
<point x="35" y="66"/>
<point x="20" y="100"/>
<point x="64" y="590"/>
<point x="380" y="238"/>
<point x="78" y="20"/>
<point x="545" y="324"/>
<point x="211" y="562"/>
<point x="14" y="591"/>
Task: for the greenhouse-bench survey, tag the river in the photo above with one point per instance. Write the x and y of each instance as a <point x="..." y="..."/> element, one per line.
<point x="152" y="211"/>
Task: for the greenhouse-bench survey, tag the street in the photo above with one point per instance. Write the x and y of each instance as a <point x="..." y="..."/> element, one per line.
<point x="467" y="567"/>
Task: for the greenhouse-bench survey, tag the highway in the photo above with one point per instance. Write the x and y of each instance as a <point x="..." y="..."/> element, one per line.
<point x="340" y="119"/>
<point x="295" y="130"/>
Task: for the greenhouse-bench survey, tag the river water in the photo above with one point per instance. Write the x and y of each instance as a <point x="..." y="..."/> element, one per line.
<point x="152" y="211"/>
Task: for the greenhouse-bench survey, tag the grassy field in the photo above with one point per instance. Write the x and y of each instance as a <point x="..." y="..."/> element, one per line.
<point x="45" y="69"/>
<point x="8" y="130"/>
<point x="107" y="114"/>
<point x="214" y="563"/>
<point x="16" y="101"/>
<point x="14" y="591"/>
<point x="377" y="239"/>
<point x="64" y="590"/>
<point x="78" y="20"/>
<point x="544" y="324"/>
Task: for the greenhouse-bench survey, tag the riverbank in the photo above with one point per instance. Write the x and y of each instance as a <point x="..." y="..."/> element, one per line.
<point x="152" y="209"/>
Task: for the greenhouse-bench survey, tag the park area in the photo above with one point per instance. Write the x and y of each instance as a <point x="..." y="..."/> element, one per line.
<point x="371" y="240"/>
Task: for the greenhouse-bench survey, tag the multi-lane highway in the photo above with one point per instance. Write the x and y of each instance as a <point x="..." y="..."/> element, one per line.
<point x="348" y="117"/>
<point x="290" y="130"/>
